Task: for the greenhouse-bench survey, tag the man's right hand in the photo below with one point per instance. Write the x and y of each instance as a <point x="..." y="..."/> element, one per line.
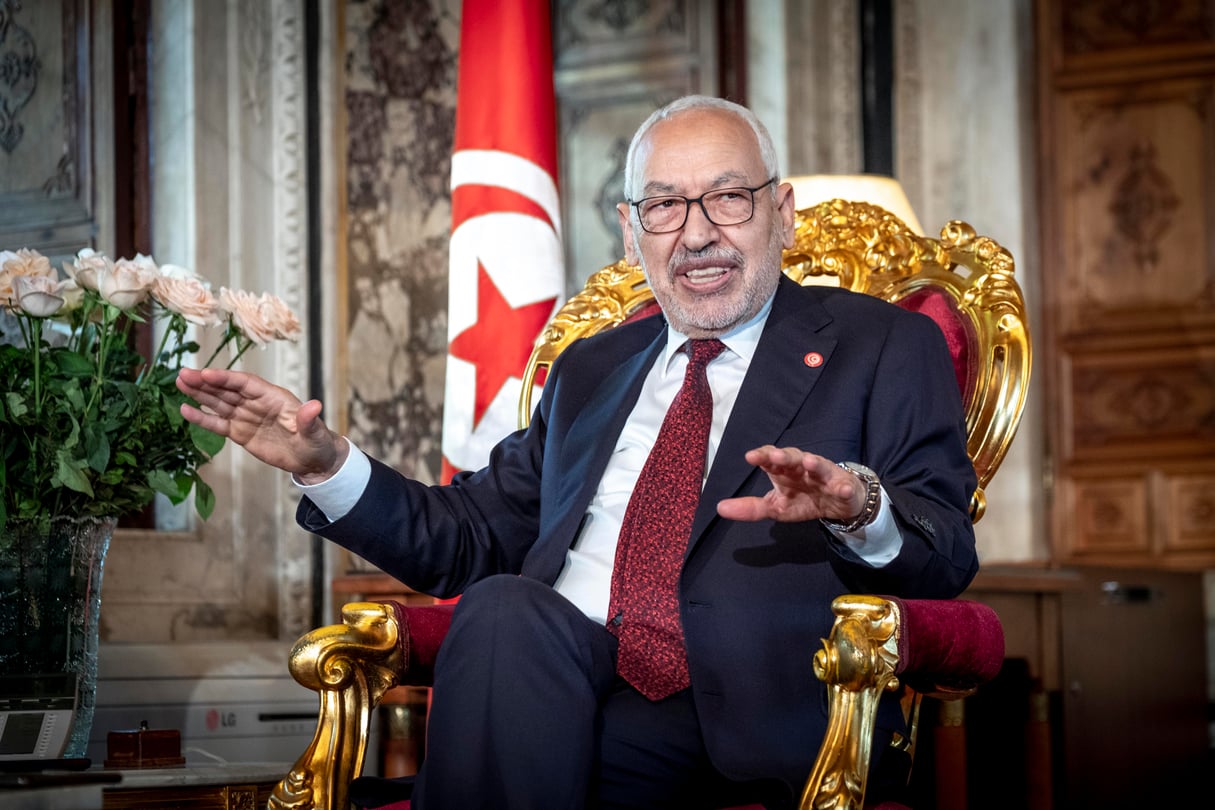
<point x="267" y="420"/>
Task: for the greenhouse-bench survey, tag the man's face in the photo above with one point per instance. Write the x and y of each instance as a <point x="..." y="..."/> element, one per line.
<point x="708" y="278"/>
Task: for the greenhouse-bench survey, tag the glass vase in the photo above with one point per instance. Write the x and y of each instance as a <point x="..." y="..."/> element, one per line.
<point x="50" y="601"/>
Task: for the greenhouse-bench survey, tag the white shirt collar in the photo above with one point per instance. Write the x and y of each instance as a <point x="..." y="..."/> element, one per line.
<point x="741" y="340"/>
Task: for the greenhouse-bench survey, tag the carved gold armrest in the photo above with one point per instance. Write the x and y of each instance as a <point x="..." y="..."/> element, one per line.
<point x="943" y="648"/>
<point x="857" y="663"/>
<point x="351" y="665"/>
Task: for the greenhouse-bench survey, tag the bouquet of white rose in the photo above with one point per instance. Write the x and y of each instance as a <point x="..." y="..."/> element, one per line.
<point x="88" y="425"/>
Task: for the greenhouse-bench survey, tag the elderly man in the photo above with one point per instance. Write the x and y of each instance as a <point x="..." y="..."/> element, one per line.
<point x="647" y="568"/>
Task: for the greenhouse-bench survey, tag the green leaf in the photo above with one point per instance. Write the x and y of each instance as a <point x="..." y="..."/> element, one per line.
<point x="69" y="473"/>
<point x="72" y="440"/>
<point x="72" y="364"/>
<point x="75" y="397"/>
<point x="167" y="485"/>
<point x="16" y="404"/>
<point x="208" y="443"/>
<point x="96" y="448"/>
<point x="204" y="498"/>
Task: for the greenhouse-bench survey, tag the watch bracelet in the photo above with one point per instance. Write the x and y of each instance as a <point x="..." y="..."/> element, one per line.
<point x="873" y="499"/>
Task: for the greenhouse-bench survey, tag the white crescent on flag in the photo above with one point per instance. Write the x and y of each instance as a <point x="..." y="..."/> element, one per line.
<point x="505" y="269"/>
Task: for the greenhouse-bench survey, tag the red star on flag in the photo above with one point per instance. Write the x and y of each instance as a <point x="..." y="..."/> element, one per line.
<point x="492" y="345"/>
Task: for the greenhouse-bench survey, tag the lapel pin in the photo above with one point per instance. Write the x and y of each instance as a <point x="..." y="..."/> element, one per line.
<point x="813" y="359"/>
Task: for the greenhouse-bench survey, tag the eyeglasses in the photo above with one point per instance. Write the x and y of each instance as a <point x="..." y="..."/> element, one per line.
<point x="721" y="206"/>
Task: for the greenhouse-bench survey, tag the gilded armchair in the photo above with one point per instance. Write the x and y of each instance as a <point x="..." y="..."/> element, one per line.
<point x="944" y="648"/>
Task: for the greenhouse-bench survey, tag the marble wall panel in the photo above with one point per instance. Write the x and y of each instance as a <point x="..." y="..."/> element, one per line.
<point x="399" y="101"/>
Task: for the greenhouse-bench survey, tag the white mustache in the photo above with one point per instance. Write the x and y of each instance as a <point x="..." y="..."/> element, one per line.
<point x="713" y="259"/>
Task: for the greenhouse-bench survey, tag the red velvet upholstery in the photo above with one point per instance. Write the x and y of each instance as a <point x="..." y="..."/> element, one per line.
<point x="956" y="644"/>
<point x="422" y="628"/>
<point x="959" y="333"/>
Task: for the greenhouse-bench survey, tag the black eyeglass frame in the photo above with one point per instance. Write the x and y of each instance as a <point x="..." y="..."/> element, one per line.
<point x="687" y="206"/>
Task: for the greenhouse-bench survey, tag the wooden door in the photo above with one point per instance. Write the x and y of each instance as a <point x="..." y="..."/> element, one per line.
<point x="1126" y="102"/>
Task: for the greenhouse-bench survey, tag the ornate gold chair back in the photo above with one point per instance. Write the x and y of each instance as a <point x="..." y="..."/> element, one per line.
<point x="965" y="282"/>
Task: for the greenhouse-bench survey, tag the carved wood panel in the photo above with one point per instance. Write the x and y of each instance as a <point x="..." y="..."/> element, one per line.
<point x="1137" y="206"/>
<point x="613" y="66"/>
<point x="1127" y="224"/>
<point x="1107" y="517"/>
<point x="1134" y="406"/>
<point x="46" y="128"/>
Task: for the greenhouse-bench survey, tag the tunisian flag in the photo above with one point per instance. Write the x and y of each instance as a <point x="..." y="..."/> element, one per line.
<point x="505" y="274"/>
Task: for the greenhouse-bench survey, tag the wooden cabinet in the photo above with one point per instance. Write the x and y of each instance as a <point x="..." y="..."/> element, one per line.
<point x="1103" y="698"/>
<point x="1126" y="166"/>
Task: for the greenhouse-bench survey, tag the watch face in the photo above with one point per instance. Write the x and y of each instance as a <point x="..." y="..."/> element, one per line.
<point x="860" y="469"/>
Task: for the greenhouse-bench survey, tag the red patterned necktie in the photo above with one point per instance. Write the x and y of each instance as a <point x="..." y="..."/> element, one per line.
<point x="644" y="603"/>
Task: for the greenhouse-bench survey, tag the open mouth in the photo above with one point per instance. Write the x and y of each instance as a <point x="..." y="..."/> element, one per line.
<point x="705" y="275"/>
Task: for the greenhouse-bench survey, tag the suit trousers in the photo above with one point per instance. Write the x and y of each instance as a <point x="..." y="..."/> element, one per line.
<point x="528" y="713"/>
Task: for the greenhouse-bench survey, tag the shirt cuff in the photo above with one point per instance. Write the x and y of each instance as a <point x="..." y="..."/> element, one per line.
<point x="337" y="495"/>
<point x="879" y="542"/>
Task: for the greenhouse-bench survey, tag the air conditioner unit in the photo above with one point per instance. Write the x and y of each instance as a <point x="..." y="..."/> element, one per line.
<point x="232" y="702"/>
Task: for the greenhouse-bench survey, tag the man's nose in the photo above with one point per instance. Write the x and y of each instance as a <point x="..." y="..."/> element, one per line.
<point x="698" y="230"/>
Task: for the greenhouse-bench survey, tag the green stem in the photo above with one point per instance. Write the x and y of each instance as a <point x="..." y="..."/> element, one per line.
<point x="174" y="327"/>
<point x="245" y="345"/>
<point x="109" y="314"/>
<point x="230" y="333"/>
<point x="34" y="340"/>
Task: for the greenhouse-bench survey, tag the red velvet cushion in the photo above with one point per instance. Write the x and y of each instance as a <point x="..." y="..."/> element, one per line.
<point x="959" y="333"/>
<point x="951" y="643"/>
<point x="422" y="628"/>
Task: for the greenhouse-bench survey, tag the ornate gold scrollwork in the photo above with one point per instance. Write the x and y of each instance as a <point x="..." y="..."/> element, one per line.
<point x="857" y="663"/>
<point x="609" y="296"/>
<point x="351" y="665"/>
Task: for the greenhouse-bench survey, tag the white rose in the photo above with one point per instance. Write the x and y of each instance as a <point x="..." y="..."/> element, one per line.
<point x="88" y="266"/>
<point x="189" y="297"/>
<point x="184" y="273"/>
<point x="39" y="296"/>
<point x="279" y="316"/>
<point x="23" y="262"/>
<point x="246" y="313"/>
<point x="73" y="296"/>
<point x="127" y="284"/>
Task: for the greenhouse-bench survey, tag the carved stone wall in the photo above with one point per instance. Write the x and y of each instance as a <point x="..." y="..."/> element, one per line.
<point x="51" y="125"/>
<point x="399" y="102"/>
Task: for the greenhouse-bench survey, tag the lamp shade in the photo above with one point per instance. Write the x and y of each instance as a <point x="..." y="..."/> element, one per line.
<point x="876" y="189"/>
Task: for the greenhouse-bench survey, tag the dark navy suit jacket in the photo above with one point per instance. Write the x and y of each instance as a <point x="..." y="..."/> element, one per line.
<point x="755" y="596"/>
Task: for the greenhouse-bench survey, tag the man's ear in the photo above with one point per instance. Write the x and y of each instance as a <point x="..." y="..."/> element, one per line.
<point x="788" y="214"/>
<point x="631" y="255"/>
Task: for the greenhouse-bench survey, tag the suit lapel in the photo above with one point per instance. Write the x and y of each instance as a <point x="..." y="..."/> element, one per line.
<point x="788" y="361"/>
<point x="593" y="434"/>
